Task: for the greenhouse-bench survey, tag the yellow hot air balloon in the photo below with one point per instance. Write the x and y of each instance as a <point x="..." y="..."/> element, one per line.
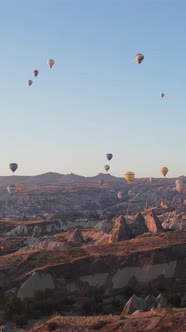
<point x="129" y="176"/>
<point x="50" y="62"/>
<point x="139" y="57"/>
<point x="164" y="170"/>
<point x="29" y="82"/>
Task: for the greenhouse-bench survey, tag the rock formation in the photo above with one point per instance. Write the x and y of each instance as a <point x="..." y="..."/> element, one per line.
<point x="138" y="304"/>
<point x="153" y="223"/>
<point x="120" y="231"/>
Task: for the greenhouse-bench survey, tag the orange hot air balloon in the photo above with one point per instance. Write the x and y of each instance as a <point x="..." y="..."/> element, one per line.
<point x="18" y="188"/>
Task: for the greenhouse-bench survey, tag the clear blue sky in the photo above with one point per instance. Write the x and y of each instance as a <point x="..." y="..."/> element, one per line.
<point x="96" y="99"/>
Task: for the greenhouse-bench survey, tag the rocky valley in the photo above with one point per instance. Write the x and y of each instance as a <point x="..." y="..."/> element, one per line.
<point x="70" y="245"/>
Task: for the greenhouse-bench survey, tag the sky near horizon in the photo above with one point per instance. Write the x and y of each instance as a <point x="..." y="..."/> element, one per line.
<point x="96" y="99"/>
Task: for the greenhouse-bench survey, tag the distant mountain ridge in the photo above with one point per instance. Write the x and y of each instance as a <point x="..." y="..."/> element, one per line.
<point x="53" y="178"/>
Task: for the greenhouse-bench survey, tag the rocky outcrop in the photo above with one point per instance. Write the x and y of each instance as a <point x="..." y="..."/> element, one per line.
<point x="161" y="301"/>
<point x="153" y="223"/>
<point x="151" y="302"/>
<point x="138" y="226"/>
<point x="136" y="303"/>
<point x="75" y="236"/>
<point x="133" y="304"/>
<point x="146" y="263"/>
<point x="35" y="282"/>
<point x="120" y="231"/>
<point x="104" y="225"/>
<point x="175" y="225"/>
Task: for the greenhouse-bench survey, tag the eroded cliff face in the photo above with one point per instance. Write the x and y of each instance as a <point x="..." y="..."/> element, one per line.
<point x="151" y="263"/>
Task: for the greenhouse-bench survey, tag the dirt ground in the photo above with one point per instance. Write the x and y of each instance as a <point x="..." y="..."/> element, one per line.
<point x="164" y="320"/>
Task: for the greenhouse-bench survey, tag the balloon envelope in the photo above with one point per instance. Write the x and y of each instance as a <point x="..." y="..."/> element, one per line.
<point x="129" y="176"/>
<point x="106" y="167"/>
<point x="164" y="170"/>
<point x="13" y="167"/>
<point x="109" y="156"/>
<point x="139" y="57"/>
<point x="179" y="185"/>
<point x="178" y="182"/>
<point x="50" y="62"/>
<point x="11" y="188"/>
<point x="120" y="194"/>
<point x="18" y="188"/>
<point x="35" y="72"/>
<point x="29" y="82"/>
<point x="162" y="95"/>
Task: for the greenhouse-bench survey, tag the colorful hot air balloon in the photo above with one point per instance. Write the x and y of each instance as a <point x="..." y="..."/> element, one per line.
<point x="162" y="95"/>
<point x="29" y="82"/>
<point x="50" y="62"/>
<point x="11" y="189"/>
<point x="120" y="194"/>
<point x="106" y="167"/>
<point x="35" y="72"/>
<point x="129" y="176"/>
<point x="139" y="57"/>
<point x="109" y="156"/>
<point x="164" y="170"/>
<point x="13" y="167"/>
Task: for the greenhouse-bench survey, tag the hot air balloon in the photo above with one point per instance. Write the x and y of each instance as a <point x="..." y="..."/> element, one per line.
<point x="162" y="95"/>
<point x="139" y="57"/>
<point x="129" y="176"/>
<point x="179" y="185"/>
<point x="11" y="189"/>
<point x="35" y="72"/>
<point x="18" y="188"/>
<point x="178" y="181"/>
<point x="106" y="167"/>
<point x="50" y="62"/>
<point x="13" y="167"/>
<point x="164" y="170"/>
<point x="109" y="156"/>
<point x="29" y="82"/>
<point x="120" y="194"/>
<point x="101" y="182"/>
